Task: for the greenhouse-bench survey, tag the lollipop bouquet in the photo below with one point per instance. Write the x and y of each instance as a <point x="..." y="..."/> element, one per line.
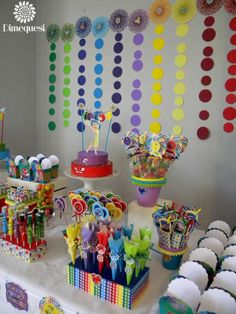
<point x="107" y="260"/>
<point x="150" y="156"/>
<point x="174" y="226"/>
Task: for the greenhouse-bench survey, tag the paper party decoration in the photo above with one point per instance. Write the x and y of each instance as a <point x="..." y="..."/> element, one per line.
<point x="205" y="256"/>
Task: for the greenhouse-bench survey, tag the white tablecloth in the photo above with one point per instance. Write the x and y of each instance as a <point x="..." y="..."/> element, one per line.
<point x="47" y="277"/>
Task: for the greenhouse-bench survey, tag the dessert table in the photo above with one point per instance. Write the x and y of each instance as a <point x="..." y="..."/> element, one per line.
<point x="48" y="277"/>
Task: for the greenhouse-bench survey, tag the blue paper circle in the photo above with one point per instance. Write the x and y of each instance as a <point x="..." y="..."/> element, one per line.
<point x="98" y="69"/>
<point x="97" y="104"/>
<point x="98" y="93"/>
<point x="99" y="43"/>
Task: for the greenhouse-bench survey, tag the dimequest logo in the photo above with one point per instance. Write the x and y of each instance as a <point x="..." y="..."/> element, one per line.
<point x="24" y="12"/>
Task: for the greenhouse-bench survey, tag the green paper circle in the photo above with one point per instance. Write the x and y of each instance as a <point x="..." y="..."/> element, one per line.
<point x="52" y="78"/>
<point x="51" y="111"/>
<point x="52" y="56"/>
<point x="53" y="47"/>
<point x="66" y="114"/>
<point x="52" y="99"/>
<point x="67" y="69"/>
<point x="66" y="80"/>
<point x="52" y="125"/>
<point x="66" y="123"/>
<point x="67" y="59"/>
<point x="52" y="88"/>
<point x="66" y="91"/>
<point x="66" y="103"/>
<point x="52" y="67"/>
<point x="67" y="48"/>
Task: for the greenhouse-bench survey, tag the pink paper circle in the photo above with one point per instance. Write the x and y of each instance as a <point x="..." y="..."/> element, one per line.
<point x="206" y="80"/>
<point x="228" y="127"/>
<point x="203" y="133"/>
<point x="230" y="85"/>
<point x="207" y="64"/>
<point x="204" y="115"/>
<point x="205" y="95"/>
<point x="208" y="34"/>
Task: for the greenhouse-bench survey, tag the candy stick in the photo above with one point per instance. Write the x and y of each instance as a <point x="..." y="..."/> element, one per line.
<point x="4" y="221"/>
<point x="41" y="226"/>
<point x="29" y="231"/>
<point x="23" y="229"/>
<point x="16" y="227"/>
<point x="10" y="223"/>
<point x="37" y="228"/>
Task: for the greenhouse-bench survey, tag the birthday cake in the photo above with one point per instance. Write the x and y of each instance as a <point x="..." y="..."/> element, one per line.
<point x="91" y="164"/>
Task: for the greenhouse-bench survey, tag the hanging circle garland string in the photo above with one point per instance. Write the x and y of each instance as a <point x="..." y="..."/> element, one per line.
<point x="118" y="22"/>
<point x="67" y="36"/>
<point x="207" y="8"/>
<point x="53" y="35"/>
<point x="182" y="12"/>
<point x="82" y="30"/>
<point x="159" y="13"/>
<point x="229" y="113"/>
<point x="100" y="28"/>
<point x="138" y="22"/>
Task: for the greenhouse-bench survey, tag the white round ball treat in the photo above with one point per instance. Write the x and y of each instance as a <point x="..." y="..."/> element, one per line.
<point x="46" y="164"/>
<point x="40" y="156"/>
<point x="54" y="160"/>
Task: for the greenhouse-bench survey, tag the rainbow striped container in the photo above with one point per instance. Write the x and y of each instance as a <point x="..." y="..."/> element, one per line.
<point x="104" y="288"/>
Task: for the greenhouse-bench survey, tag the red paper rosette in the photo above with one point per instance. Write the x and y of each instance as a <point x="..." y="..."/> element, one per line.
<point x="207" y="7"/>
<point x="230" y="6"/>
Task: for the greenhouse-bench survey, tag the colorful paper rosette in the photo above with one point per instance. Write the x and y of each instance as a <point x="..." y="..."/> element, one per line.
<point x="183" y="10"/>
<point x="53" y="35"/>
<point x="119" y="20"/>
<point x="83" y="26"/>
<point x="138" y="21"/>
<point x="100" y="27"/>
<point x="160" y="11"/>
<point x="67" y="36"/>
<point x="207" y="7"/>
<point x="230" y="6"/>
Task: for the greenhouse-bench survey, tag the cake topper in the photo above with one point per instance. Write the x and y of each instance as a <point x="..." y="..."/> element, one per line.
<point x="94" y="121"/>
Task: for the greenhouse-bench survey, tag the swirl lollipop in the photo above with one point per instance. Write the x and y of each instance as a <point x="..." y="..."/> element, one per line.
<point x="156" y="145"/>
<point x="130" y="142"/>
<point x="174" y="146"/>
<point x="61" y="206"/>
<point x="79" y="207"/>
<point x="184" y="143"/>
<point x="100" y="212"/>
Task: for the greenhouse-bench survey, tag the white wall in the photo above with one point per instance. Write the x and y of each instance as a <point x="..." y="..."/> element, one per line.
<point x="17" y="83"/>
<point x="205" y="174"/>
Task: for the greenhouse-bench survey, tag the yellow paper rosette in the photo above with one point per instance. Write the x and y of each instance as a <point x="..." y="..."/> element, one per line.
<point x="183" y="10"/>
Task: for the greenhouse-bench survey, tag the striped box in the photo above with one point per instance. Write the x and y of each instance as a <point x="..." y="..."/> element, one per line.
<point x="104" y="288"/>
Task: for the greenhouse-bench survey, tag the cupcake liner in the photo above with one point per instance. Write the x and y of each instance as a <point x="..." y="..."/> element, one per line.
<point x="196" y="273"/>
<point x="213" y="244"/>
<point x="204" y="255"/>
<point x="220" y="224"/>
<point x="229" y="263"/>
<point x="225" y="280"/>
<point x="217" y="301"/>
<point x="218" y="234"/>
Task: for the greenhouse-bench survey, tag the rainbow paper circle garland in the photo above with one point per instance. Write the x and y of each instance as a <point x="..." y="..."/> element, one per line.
<point x="53" y="35"/>
<point x="67" y="36"/>
<point x="229" y="113"/>
<point x="118" y="23"/>
<point x="207" y="64"/>
<point x="159" y="13"/>
<point x="82" y="29"/>
<point x="182" y="12"/>
<point x="138" y="22"/>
